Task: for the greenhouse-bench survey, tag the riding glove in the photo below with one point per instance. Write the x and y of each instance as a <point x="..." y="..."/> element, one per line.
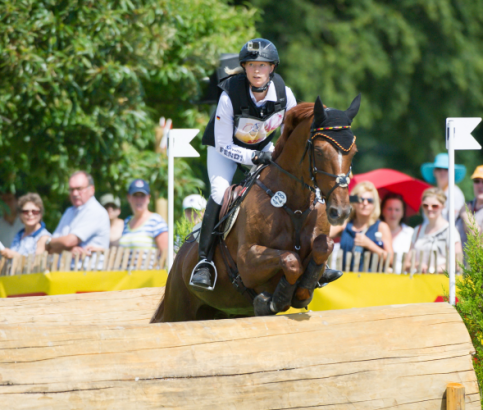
<point x="261" y="157"/>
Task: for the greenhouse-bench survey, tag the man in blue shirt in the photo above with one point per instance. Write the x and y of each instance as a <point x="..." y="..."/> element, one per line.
<point x="83" y="225"/>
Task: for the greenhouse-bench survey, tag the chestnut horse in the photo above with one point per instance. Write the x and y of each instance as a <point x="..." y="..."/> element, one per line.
<point x="263" y="241"/>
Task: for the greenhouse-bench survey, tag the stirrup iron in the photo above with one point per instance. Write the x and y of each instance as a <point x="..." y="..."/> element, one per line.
<point x="204" y="262"/>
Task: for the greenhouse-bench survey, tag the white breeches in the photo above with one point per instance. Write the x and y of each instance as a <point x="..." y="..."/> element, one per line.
<point x="220" y="172"/>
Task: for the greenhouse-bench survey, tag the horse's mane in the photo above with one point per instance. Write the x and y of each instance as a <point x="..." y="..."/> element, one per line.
<point x="294" y="117"/>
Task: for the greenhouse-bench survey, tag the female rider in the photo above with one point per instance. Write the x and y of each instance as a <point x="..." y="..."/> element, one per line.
<point x="252" y="105"/>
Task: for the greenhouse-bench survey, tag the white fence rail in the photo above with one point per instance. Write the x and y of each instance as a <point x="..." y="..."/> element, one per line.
<point x="411" y="262"/>
<point x="109" y="260"/>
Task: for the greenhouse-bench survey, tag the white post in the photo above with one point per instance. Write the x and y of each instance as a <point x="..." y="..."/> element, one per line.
<point x="178" y="146"/>
<point x="452" y="258"/>
<point x="170" y="199"/>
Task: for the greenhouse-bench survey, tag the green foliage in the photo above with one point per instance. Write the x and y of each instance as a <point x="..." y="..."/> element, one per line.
<point x="82" y="84"/>
<point x="183" y="228"/>
<point x="470" y="295"/>
<point x="415" y="62"/>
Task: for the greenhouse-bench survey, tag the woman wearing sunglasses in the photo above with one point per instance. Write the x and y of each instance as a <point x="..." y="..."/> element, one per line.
<point x="432" y="235"/>
<point x="360" y="232"/>
<point x="31" y="239"/>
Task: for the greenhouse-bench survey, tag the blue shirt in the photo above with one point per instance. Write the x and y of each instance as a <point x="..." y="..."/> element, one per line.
<point x="347" y="243"/>
<point x="143" y="236"/>
<point x="28" y="245"/>
<point x="89" y="222"/>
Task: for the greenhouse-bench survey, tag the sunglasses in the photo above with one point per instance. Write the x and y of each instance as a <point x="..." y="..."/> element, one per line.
<point x="369" y="200"/>
<point x="34" y="212"/>
<point x="429" y="206"/>
<point x="477" y="181"/>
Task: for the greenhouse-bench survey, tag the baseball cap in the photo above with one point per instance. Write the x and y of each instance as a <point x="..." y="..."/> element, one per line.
<point x="478" y="172"/>
<point x="139" y="185"/>
<point x="194" y="201"/>
<point x="110" y="199"/>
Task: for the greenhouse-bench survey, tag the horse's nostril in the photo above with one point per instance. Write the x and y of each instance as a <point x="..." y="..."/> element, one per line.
<point x="334" y="213"/>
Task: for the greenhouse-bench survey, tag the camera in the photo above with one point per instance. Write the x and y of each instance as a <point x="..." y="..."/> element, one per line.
<point x="354" y="199"/>
<point x="253" y="46"/>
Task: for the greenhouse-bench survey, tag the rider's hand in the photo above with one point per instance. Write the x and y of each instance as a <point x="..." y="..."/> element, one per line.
<point x="261" y="157"/>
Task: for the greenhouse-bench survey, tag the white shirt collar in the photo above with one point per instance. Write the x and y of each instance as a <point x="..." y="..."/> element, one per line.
<point x="271" y="95"/>
<point x="81" y="207"/>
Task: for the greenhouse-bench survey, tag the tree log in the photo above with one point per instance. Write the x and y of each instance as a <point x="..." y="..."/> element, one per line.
<point x="388" y="357"/>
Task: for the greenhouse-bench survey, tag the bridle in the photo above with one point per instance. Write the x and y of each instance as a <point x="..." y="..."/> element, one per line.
<point x="341" y="180"/>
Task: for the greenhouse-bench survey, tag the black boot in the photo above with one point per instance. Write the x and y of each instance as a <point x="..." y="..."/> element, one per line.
<point x="202" y="275"/>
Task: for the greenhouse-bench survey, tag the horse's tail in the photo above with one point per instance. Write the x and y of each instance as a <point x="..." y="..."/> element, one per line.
<point x="158" y="314"/>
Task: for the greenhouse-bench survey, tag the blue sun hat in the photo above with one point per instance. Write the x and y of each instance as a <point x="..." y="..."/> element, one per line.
<point x="441" y="161"/>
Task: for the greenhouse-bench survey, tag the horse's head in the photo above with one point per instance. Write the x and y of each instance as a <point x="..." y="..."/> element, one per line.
<point x="331" y="148"/>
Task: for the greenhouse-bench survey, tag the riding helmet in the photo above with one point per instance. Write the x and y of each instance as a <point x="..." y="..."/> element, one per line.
<point x="259" y="49"/>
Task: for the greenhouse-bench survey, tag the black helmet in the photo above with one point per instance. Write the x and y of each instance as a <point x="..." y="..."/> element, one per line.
<point x="259" y="49"/>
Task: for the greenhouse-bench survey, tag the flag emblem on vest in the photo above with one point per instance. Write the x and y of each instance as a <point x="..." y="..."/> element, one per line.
<point x="218" y="117"/>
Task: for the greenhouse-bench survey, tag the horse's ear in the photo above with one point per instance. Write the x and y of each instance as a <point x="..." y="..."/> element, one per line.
<point x="319" y="112"/>
<point x="354" y="108"/>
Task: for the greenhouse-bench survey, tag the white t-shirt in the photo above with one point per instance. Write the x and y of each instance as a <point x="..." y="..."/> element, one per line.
<point x="8" y="232"/>
<point x="428" y="243"/>
<point x="89" y="222"/>
<point x="401" y="244"/>
<point x="224" y="119"/>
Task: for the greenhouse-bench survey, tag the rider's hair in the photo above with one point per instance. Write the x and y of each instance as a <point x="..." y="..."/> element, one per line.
<point x="359" y="189"/>
<point x="435" y="193"/>
<point x="236" y="70"/>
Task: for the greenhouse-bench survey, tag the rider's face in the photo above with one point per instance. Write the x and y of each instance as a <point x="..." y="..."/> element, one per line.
<point x="258" y="73"/>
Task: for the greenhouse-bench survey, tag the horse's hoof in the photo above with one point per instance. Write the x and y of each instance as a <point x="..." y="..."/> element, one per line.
<point x="261" y="304"/>
<point x="301" y="304"/>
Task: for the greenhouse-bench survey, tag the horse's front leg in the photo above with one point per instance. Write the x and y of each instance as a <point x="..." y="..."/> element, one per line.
<point x="321" y="250"/>
<point x="258" y="265"/>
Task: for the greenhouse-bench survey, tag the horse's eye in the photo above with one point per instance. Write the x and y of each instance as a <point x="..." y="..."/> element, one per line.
<point x="319" y="152"/>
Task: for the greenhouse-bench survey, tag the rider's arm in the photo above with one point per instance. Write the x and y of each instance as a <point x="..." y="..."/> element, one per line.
<point x="224" y="145"/>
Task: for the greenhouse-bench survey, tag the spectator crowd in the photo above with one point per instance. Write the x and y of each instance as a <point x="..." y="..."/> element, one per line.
<point x="88" y="225"/>
<point x="379" y="228"/>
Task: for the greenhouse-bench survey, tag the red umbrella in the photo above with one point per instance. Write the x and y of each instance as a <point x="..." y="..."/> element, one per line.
<point x="389" y="180"/>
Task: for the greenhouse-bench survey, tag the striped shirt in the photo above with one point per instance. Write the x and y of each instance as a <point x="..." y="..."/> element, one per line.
<point x="143" y="236"/>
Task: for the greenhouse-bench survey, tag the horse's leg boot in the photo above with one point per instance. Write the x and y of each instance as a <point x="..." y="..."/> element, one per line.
<point x="202" y="276"/>
<point x="261" y="304"/>
<point x="308" y="281"/>
<point x="328" y="276"/>
<point x="282" y="295"/>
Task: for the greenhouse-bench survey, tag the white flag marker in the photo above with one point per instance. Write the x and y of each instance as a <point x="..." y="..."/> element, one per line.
<point x="458" y="137"/>
<point x="179" y="146"/>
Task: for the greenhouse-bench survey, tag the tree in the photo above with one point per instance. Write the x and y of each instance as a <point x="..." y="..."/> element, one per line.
<point x="83" y="82"/>
<point x="415" y="63"/>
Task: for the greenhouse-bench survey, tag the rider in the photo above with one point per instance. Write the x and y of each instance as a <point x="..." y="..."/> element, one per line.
<point x="252" y="105"/>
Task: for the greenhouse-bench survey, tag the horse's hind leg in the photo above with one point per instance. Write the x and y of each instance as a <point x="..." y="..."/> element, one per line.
<point x="259" y="264"/>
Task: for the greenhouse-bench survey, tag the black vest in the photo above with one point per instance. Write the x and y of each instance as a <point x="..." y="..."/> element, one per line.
<point x="243" y="107"/>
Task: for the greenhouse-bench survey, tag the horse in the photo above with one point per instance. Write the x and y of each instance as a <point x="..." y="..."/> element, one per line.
<point x="279" y="264"/>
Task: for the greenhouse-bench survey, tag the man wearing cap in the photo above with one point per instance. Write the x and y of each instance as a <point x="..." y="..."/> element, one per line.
<point x="475" y="207"/>
<point x="193" y="206"/>
<point x="113" y="207"/>
<point x="85" y="224"/>
<point x="437" y="173"/>
<point x="143" y="230"/>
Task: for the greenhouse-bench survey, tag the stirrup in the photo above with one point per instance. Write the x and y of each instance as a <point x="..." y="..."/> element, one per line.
<point x="204" y="262"/>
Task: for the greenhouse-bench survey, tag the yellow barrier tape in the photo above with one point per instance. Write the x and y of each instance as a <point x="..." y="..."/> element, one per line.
<point x="351" y="290"/>
<point x="61" y="283"/>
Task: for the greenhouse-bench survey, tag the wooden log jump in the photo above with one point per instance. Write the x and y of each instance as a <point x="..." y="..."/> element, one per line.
<point x="400" y="356"/>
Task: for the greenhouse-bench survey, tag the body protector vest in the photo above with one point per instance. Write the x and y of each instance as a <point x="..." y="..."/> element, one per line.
<point x="253" y="127"/>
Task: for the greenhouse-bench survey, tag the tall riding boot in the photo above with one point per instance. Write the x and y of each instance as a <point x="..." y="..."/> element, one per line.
<point x="202" y="276"/>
